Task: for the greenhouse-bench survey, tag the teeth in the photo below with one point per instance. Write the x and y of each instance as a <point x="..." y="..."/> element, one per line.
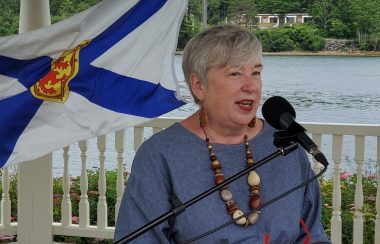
<point x="246" y="103"/>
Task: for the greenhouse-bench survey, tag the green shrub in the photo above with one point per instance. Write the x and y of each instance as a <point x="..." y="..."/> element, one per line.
<point x="275" y="41"/>
<point x="298" y="37"/>
<point x="347" y="206"/>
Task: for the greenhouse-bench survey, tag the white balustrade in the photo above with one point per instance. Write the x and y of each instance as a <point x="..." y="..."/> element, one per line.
<point x="358" y="216"/>
<point x="377" y="223"/>
<point x="336" y="220"/>
<point x="66" y="201"/>
<point x="5" y="200"/>
<point x="102" y="203"/>
<point x="84" y="205"/>
<point x="119" y="146"/>
<point x="320" y="132"/>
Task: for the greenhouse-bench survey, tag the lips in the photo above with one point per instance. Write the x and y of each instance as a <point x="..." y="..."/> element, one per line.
<point x="245" y="104"/>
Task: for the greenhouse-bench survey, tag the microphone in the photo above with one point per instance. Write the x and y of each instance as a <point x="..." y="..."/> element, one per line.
<point x="280" y="114"/>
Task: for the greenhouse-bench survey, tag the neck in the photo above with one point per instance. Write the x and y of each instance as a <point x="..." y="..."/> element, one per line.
<point x="220" y="134"/>
<point x="225" y="136"/>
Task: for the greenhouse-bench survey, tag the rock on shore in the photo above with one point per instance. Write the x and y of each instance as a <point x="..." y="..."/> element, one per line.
<point x="340" y="45"/>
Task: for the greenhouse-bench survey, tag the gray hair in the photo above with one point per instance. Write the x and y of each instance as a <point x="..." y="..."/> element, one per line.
<point x="219" y="46"/>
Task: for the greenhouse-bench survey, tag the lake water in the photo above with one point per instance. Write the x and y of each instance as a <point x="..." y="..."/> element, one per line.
<point x="320" y="88"/>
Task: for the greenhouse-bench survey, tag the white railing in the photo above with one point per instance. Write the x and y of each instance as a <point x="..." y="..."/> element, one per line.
<point x="330" y="137"/>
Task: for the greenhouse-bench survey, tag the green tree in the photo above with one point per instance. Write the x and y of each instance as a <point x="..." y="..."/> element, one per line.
<point x="366" y="16"/>
<point x="215" y="13"/>
<point x="243" y="12"/>
<point x="321" y="11"/>
<point x="9" y="10"/>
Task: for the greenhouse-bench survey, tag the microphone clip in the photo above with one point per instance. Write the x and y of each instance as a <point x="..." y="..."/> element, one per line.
<point x="285" y="138"/>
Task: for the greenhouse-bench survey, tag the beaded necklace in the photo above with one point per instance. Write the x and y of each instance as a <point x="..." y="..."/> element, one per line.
<point x="226" y="195"/>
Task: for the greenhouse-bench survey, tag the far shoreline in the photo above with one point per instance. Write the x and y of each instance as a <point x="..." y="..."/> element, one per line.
<point x="326" y="53"/>
<point x="319" y="53"/>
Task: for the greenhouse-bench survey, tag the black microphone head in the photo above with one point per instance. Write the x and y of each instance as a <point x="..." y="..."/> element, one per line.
<point x="273" y="108"/>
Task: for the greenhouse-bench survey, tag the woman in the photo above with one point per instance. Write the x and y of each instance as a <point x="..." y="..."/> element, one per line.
<point x="222" y="66"/>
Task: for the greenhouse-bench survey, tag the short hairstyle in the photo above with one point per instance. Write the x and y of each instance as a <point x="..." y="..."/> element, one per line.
<point x="219" y="46"/>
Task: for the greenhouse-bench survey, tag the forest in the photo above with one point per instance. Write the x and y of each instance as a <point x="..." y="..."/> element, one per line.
<point x="355" y="20"/>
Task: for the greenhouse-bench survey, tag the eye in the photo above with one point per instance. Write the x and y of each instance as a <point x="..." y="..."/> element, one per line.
<point x="256" y="73"/>
<point x="235" y="74"/>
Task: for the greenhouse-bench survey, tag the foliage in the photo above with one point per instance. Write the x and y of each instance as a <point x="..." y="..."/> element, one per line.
<point x="300" y="37"/>
<point x="243" y="13"/>
<point x="93" y="195"/>
<point x="9" y="10"/>
<point x="274" y="40"/>
<point x="347" y="19"/>
<point x="348" y="206"/>
<point x="190" y="26"/>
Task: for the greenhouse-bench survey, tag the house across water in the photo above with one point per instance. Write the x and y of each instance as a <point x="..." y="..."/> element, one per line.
<point x="273" y="20"/>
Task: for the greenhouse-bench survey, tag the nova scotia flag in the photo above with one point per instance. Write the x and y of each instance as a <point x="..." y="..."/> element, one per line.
<point x="102" y="70"/>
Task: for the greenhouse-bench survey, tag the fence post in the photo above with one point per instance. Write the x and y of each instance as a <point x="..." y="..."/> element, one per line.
<point x="35" y="201"/>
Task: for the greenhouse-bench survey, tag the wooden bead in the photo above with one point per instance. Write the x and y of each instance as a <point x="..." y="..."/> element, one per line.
<point x="212" y="158"/>
<point x="231" y="207"/>
<point x="215" y="165"/>
<point x="219" y="179"/>
<point x="237" y="214"/>
<point x="226" y="195"/>
<point x="253" y="179"/>
<point x="250" y="161"/>
<point x="254" y="202"/>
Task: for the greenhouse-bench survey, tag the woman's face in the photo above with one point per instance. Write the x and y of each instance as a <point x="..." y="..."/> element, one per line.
<point x="233" y="94"/>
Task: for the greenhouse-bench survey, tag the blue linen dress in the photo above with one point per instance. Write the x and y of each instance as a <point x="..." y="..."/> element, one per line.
<point x="177" y="161"/>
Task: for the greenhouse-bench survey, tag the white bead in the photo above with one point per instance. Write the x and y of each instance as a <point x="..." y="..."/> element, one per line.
<point x="253" y="179"/>
<point x="226" y="195"/>
<point x="237" y="214"/>
<point x="253" y="217"/>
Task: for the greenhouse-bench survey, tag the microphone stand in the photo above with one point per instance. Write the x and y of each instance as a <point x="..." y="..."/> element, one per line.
<point x="282" y="139"/>
<point x="260" y="207"/>
<point x="180" y="207"/>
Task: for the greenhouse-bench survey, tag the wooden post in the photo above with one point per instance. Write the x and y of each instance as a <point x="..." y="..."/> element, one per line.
<point x="35" y="186"/>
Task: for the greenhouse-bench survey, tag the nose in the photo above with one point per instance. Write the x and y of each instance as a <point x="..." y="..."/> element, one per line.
<point x="251" y="83"/>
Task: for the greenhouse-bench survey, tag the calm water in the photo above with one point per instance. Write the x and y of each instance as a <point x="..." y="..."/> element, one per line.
<point x="321" y="89"/>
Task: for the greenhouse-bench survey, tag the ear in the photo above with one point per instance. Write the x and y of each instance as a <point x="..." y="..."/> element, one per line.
<point x="196" y="85"/>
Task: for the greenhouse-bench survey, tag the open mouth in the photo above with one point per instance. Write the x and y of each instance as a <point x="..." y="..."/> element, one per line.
<point x="245" y="103"/>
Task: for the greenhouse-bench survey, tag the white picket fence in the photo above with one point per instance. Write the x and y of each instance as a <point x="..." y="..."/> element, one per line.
<point x="35" y="191"/>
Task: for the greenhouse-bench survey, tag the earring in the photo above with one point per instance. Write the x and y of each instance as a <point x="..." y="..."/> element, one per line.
<point x="252" y="123"/>
<point x="202" y="117"/>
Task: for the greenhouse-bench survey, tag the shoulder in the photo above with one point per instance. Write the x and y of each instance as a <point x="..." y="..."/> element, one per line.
<point x="170" y="143"/>
<point x="171" y="137"/>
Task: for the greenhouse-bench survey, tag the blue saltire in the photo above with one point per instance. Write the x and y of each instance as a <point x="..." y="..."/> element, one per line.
<point x="100" y="86"/>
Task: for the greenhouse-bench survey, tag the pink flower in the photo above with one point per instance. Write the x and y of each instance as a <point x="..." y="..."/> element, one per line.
<point x="344" y="175"/>
<point x="6" y="238"/>
<point x="371" y="198"/>
<point x="75" y="219"/>
<point x="372" y="176"/>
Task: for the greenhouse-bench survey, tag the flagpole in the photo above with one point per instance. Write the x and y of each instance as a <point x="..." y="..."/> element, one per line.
<point x="204" y="14"/>
<point x="34" y="14"/>
<point x="35" y="188"/>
